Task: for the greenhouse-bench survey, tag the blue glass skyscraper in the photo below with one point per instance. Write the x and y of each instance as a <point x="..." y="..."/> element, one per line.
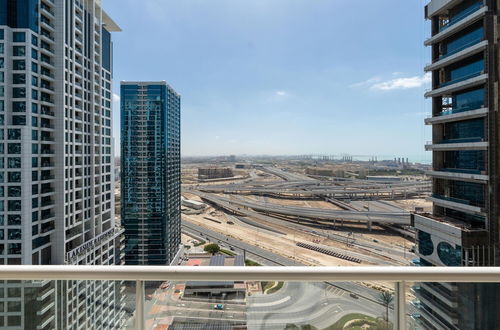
<point x="150" y="172"/>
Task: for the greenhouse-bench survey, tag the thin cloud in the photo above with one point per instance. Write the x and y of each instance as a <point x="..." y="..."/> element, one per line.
<point x="278" y="95"/>
<point x="403" y="83"/>
<point x="116" y="97"/>
<point x="367" y="82"/>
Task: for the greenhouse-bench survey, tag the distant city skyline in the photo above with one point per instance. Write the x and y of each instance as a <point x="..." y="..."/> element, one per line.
<point x="281" y="77"/>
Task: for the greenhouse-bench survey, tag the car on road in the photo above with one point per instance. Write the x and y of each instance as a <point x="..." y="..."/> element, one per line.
<point x="219" y="306"/>
<point x="353" y="295"/>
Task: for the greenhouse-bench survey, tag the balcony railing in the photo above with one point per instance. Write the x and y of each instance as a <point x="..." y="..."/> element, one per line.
<point x="462" y="47"/>
<point x="401" y="276"/>
<point x="462" y="78"/>
<point x="461" y="15"/>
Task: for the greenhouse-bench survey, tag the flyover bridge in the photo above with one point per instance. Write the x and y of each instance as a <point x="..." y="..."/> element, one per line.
<point x="312" y="189"/>
<point x="235" y="205"/>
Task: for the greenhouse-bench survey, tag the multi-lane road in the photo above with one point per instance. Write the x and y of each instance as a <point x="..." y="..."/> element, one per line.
<point x="267" y="258"/>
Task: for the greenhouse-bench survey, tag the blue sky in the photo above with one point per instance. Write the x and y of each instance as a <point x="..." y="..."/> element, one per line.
<point x="283" y="76"/>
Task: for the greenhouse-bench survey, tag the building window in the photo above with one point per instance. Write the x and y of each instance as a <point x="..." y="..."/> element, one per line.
<point x="14" y="177"/>
<point x="14" y="220"/>
<point x="14" y="206"/>
<point x="14" y="234"/>
<point x="19" y="65"/>
<point x="19" y="37"/>
<point x="14" y="191"/>
<point x="14" y="248"/>
<point x="19" y="92"/>
<point x="14" y="134"/>
<point x="14" y="162"/>
<point x="18" y="106"/>
<point x="19" y="50"/>
<point x="19" y="120"/>
<point x="448" y="255"/>
<point x="14" y="148"/>
<point x="19" y="78"/>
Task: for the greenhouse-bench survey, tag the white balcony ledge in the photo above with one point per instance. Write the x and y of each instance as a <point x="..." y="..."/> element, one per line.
<point x="458" y="56"/>
<point x="457" y="146"/>
<point x="457" y="206"/>
<point x="458" y="176"/>
<point x="291" y="274"/>
<point x="471" y="82"/>
<point x="478" y="113"/>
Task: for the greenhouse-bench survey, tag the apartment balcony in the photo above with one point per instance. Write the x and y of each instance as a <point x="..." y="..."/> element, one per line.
<point x="459" y="174"/>
<point x="457" y="115"/>
<point x="45" y="9"/>
<point x="46" y="321"/>
<point x="466" y="19"/>
<point x="461" y="15"/>
<point x="319" y="296"/>
<point x="463" y="144"/>
<point x="47" y="37"/>
<point x="453" y="86"/>
<point x="45" y="23"/>
<point x="456" y="204"/>
<point x="443" y="310"/>
<point x="45" y="293"/>
<point x="429" y="317"/>
<point x="467" y="50"/>
<point x="441" y="294"/>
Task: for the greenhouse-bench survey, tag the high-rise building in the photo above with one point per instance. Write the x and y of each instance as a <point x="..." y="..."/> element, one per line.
<point x="56" y="164"/>
<point x="150" y="172"/>
<point x="463" y="229"/>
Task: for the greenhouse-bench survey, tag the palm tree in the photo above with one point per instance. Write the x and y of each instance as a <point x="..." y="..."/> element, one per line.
<point x="386" y="299"/>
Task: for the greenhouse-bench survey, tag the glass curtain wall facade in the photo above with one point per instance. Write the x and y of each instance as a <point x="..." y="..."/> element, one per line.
<point x="150" y="172"/>
<point x="56" y="161"/>
<point x="463" y="229"/>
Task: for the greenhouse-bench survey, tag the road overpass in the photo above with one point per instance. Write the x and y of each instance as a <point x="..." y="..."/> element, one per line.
<point x="236" y="204"/>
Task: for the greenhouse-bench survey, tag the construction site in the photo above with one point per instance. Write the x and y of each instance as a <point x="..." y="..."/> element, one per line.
<point x="328" y="215"/>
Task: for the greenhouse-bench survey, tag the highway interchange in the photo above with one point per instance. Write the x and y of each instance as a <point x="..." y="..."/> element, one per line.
<point x="320" y="304"/>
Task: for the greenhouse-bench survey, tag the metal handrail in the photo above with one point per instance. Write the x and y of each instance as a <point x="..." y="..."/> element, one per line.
<point x="263" y="273"/>
<point x="140" y="274"/>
